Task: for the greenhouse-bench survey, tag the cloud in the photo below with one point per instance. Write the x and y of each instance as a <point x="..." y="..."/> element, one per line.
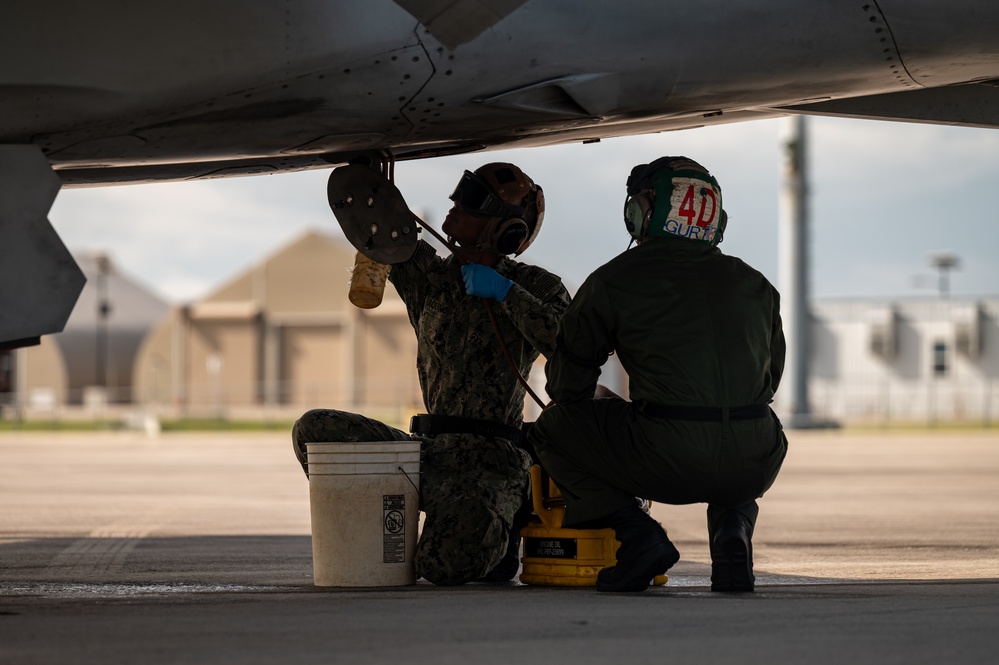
<point x="186" y="238"/>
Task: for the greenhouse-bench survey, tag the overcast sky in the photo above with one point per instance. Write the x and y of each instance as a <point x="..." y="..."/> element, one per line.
<point x="885" y="198"/>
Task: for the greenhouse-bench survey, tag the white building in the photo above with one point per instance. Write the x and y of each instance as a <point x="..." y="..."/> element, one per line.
<point x="904" y="361"/>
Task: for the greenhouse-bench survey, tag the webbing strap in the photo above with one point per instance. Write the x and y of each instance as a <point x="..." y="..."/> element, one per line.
<point x="705" y="413"/>
<point x="429" y="424"/>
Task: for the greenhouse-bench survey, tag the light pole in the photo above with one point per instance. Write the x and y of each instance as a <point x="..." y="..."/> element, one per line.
<point x="103" y="312"/>
<point x="794" y="269"/>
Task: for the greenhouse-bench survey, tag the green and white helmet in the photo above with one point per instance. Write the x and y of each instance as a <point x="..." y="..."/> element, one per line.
<point x="674" y="196"/>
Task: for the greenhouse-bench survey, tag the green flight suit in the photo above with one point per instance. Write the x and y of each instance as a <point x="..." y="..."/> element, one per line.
<point x="470" y="485"/>
<point x="691" y="326"/>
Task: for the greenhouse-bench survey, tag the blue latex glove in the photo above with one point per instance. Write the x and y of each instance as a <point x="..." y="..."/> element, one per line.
<point x="485" y="282"/>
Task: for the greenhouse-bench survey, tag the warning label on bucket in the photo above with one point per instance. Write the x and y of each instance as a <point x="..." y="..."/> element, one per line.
<point x="550" y="548"/>
<point x="393" y="528"/>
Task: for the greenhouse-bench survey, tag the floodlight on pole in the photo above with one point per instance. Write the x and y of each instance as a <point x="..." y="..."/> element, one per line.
<point x="944" y="263"/>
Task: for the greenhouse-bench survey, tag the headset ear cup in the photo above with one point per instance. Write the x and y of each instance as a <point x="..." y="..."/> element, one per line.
<point x="637" y="211"/>
<point x="720" y="233"/>
<point x="511" y="234"/>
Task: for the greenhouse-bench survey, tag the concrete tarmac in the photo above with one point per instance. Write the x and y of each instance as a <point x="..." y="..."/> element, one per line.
<point x="196" y="548"/>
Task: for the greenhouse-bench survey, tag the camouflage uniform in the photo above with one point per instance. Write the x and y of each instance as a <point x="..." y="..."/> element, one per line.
<point x="471" y="485"/>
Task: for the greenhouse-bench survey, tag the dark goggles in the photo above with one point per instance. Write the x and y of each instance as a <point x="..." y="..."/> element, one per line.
<point x="476" y="197"/>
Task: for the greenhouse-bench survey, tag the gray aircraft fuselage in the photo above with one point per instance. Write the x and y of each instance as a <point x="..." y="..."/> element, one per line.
<point x="119" y="91"/>
<point x="116" y="91"/>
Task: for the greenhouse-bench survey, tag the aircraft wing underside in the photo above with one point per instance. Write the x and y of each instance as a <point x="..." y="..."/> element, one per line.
<point x="116" y="91"/>
<point x="972" y="105"/>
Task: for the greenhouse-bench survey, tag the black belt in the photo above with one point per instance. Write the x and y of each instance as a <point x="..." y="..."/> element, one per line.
<point x="428" y="424"/>
<point x="705" y="413"/>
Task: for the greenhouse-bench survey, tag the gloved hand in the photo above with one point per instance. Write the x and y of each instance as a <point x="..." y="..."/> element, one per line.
<point x="485" y="282"/>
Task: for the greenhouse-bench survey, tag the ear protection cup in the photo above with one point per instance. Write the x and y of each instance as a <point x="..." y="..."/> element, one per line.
<point x="512" y="236"/>
<point x="637" y="213"/>
<point x="505" y="236"/>
<point x="720" y="233"/>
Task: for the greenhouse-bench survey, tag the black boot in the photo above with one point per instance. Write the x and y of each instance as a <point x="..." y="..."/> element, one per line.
<point x="644" y="553"/>
<point x="508" y="566"/>
<point x="732" y="554"/>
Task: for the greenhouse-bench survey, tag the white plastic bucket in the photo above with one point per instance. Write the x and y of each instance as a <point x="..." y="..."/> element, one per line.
<point x="364" y="500"/>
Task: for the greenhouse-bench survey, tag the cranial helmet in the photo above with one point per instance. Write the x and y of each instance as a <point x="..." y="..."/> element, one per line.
<point x="674" y="196"/>
<point x="514" y="204"/>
